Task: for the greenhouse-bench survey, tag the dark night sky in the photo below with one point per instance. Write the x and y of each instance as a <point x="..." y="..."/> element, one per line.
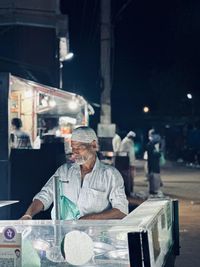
<point x="156" y="56"/>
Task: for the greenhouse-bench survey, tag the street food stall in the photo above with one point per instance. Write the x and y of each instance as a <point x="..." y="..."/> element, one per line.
<point x="34" y="104"/>
<point x="147" y="237"/>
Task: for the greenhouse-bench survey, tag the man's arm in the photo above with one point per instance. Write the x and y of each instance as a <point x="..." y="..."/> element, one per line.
<point x="105" y="215"/>
<point x="35" y="207"/>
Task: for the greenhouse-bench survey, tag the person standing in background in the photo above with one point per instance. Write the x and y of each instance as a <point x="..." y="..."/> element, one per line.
<point x="18" y="138"/>
<point x="145" y="156"/>
<point x="128" y="147"/>
<point x="153" y="161"/>
<point x="116" y="143"/>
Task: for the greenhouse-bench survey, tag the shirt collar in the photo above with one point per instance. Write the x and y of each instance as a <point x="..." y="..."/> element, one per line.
<point x="96" y="165"/>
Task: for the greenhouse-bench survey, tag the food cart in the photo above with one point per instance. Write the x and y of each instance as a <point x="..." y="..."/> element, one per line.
<point x="147" y="237"/>
<point x="33" y="103"/>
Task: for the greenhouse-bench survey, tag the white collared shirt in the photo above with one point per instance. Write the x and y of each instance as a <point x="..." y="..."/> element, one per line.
<point x="102" y="189"/>
<point x="127" y="147"/>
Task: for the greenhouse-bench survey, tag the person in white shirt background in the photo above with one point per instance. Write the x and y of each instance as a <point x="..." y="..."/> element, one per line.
<point x="95" y="189"/>
<point x="128" y="147"/>
<point x="116" y="141"/>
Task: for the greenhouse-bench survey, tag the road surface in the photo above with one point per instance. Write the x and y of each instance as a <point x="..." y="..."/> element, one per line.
<point x="182" y="183"/>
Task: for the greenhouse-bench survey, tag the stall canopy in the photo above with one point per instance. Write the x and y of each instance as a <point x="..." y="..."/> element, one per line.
<point x="30" y="101"/>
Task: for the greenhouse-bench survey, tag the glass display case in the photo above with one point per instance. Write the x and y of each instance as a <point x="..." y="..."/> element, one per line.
<point x="148" y="236"/>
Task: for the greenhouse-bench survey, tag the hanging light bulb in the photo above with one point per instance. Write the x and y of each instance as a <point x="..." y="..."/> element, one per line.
<point x="52" y="103"/>
<point x="73" y="105"/>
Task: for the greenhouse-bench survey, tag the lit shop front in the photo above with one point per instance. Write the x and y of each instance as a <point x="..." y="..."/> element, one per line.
<point x="38" y="105"/>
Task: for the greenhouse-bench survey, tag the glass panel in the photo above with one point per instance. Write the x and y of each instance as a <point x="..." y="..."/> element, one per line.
<point x="95" y="243"/>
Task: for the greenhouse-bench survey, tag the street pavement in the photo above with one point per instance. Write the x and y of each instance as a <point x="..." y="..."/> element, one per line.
<point x="182" y="183"/>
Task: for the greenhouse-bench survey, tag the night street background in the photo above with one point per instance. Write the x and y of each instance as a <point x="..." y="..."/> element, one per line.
<point x="155" y="62"/>
<point x="181" y="183"/>
<point x="155" y="58"/>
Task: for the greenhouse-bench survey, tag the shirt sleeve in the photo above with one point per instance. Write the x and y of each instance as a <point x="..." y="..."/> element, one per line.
<point x="117" y="196"/>
<point x="46" y="193"/>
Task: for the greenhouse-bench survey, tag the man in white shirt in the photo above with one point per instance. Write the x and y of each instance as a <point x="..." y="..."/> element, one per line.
<point x="96" y="189"/>
<point x="116" y="143"/>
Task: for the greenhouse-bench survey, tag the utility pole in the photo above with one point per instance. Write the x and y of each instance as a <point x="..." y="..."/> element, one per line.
<point x="105" y="128"/>
<point x="105" y="62"/>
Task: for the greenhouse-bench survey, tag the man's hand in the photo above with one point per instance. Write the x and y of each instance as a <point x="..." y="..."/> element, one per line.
<point x="26" y="217"/>
<point x="35" y="207"/>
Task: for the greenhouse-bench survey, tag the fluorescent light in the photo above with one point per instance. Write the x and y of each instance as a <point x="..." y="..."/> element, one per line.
<point x="73" y="104"/>
<point x="69" y="56"/>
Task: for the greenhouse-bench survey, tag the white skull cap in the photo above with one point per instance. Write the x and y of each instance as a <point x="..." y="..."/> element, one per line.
<point x="84" y="134"/>
<point x="131" y="134"/>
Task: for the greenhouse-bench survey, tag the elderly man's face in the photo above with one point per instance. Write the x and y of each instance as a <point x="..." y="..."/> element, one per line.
<point x="82" y="152"/>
